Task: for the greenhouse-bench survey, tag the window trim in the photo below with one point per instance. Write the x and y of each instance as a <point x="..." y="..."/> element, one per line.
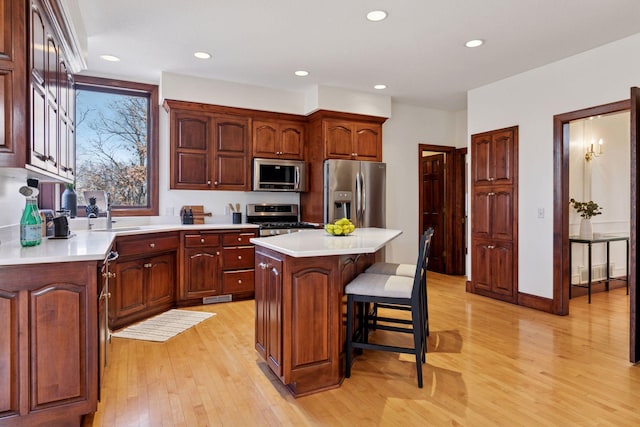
<point x="133" y="88"/>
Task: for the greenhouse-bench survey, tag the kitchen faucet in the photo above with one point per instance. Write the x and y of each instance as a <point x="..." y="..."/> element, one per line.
<point x="109" y="222"/>
<point x="91" y="215"/>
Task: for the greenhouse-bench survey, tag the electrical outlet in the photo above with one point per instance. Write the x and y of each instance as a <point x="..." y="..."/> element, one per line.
<point x="540" y="212"/>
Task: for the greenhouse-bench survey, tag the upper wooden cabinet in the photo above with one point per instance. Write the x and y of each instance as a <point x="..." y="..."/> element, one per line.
<point x="209" y="150"/>
<point x="352" y="140"/>
<point x="36" y="90"/>
<point x="278" y="139"/>
<point x="494" y="155"/>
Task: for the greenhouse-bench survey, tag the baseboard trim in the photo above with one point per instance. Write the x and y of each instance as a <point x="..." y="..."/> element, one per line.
<point x="535" y="302"/>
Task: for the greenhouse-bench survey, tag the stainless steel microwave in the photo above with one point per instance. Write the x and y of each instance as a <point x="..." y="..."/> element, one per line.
<point x="279" y="175"/>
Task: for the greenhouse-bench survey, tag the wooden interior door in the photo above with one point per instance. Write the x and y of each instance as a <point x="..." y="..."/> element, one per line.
<point x="634" y="306"/>
<point x="433" y="208"/>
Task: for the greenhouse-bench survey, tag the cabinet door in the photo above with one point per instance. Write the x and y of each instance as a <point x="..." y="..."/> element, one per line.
<point x="191" y="147"/>
<point x="367" y="142"/>
<point x="481" y="220"/>
<point x="265" y="139"/>
<point x="128" y="293"/>
<point x="503" y="157"/>
<point x="268" y="297"/>
<point x="338" y="140"/>
<point x="9" y="352"/>
<point x="502" y="269"/>
<point x="202" y="272"/>
<point x="160" y="280"/>
<point x="481" y="266"/>
<point x="292" y="141"/>
<point x="502" y="211"/>
<point x="231" y="155"/>
<point x="38" y="127"/>
<point x="481" y="169"/>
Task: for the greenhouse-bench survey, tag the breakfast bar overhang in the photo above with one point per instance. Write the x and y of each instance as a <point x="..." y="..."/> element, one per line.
<point x="300" y="302"/>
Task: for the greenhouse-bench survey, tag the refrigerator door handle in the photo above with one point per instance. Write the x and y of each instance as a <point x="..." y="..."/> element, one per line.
<point x="358" y="200"/>
<point x="363" y="200"/>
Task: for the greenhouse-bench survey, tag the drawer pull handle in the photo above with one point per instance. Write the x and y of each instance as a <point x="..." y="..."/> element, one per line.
<point x="201" y="240"/>
<point x="239" y="256"/>
<point x="152" y="245"/>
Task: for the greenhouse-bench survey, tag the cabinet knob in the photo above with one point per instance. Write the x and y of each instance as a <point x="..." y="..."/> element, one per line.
<point x="201" y="240"/>
<point x="239" y="239"/>
<point x="239" y="256"/>
<point x="152" y="245"/>
<point x="491" y="247"/>
<point x="491" y="194"/>
<point x="262" y="265"/>
<point x="208" y="182"/>
<point x="239" y="281"/>
<point x="148" y="265"/>
<point x="215" y="182"/>
<point x="491" y="179"/>
<point x="217" y="252"/>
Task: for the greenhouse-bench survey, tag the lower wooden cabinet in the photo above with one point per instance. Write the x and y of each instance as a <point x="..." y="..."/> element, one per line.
<point x="216" y="263"/>
<point x="268" y="297"/>
<point x="493" y="269"/>
<point x="145" y="280"/>
<point x="48" y="343"/>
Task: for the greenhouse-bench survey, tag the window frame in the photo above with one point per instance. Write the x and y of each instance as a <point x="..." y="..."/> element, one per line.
<point x="138" y="89"/>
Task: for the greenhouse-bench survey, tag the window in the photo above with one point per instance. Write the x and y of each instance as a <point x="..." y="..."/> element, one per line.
<point x="117" y="143"/>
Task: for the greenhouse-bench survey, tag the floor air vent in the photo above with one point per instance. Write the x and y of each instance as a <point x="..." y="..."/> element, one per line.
<point x="598" y="272"/>
<point x="218" y="298"/>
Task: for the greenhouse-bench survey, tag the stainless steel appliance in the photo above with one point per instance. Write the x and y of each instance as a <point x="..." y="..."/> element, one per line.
<point x="104" y="333"/>
<point x="275" y="219"/>
<point x="355" y="190"/>
<point x="279" y="175"/>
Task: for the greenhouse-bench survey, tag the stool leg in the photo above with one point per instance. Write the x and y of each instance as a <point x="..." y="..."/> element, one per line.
<point x="349" y="336"/>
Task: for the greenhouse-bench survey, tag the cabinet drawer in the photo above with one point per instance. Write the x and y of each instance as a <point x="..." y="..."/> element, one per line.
<point x="238" y="239"/>
<point x="236" y="258"/>
<point x="196" y="240"/>
<point x="237" y="281"/>
<point x="147" y="244"/>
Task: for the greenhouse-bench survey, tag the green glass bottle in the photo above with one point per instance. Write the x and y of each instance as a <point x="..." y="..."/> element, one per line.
<point x="31" y="224"/>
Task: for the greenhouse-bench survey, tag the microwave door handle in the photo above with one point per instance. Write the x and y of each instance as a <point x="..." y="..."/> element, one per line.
<point x="297" y="178"/>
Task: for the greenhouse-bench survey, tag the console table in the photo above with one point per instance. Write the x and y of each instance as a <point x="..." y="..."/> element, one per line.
<point x="589" y="243"/>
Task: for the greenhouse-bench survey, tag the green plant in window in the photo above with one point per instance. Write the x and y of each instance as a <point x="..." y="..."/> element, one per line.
<point x="586" y="209"/>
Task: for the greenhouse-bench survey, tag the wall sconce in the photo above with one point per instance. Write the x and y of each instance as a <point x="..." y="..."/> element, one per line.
<point x="591" y="153"/>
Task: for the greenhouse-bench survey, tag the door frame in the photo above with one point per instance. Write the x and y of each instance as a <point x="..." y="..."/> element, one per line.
<point x="455" y="197"/>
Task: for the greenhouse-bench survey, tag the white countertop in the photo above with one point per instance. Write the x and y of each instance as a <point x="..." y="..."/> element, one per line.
<point x="88" y="245"/>
<point x="309" y="243"/>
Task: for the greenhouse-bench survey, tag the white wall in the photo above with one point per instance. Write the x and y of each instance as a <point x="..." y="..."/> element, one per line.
<point x="408" y="127"/>
<point x="530" y="100"/>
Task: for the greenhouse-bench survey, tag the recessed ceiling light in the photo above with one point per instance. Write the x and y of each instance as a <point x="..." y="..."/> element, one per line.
<point x="380" y="87"/>
<point x="202" y="55"/>
<point x="376" y="15"/>
<point x="474" y="43"/>
<point x="110" y="58"/>
<point x="301" y="73"/>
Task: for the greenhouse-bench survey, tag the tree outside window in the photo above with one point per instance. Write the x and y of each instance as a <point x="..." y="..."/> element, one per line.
<point x="116" y="143"/>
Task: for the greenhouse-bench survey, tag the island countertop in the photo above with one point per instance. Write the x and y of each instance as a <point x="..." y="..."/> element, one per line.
<point x="311" y="243"/>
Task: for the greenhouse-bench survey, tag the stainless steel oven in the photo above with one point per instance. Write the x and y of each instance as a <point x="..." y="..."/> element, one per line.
<point x="275" y="219"/>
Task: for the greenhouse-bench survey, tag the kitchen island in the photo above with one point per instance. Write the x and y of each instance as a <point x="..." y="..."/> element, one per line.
<point x="300" y="302"/>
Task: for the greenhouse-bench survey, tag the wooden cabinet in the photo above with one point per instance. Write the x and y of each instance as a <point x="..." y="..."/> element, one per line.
<point x="278" y="139"/>
<point x="209" y="150"/>
<point x="145" y="280"/>
<point x="216" y="263"/>
<point x="300" y="317"/>
<point x="268" y="297"/>
<point x="201" y="266"/>
<point x="494" y="214"/>
<point x="48" y="343"/>
<point x="352" y="140"/>
<point x="36" y="90"/>
<point x="333" y="135"/>
<point x="238" y="259"/>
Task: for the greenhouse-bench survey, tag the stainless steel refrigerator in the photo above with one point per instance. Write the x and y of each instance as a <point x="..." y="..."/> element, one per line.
<point x="355" y="190"/>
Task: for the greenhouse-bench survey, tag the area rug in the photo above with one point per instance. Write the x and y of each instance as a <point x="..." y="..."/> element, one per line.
<point x="163" y="326"/>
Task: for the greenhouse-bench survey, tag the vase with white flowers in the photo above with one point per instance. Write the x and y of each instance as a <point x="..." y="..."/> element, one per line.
<point x="587" y="210"/>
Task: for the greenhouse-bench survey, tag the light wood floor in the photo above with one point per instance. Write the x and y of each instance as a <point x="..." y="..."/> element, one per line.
<point x="489" y="363"/>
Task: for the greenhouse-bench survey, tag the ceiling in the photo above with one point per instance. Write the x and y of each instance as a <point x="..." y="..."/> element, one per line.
<point x="418" y="51"/>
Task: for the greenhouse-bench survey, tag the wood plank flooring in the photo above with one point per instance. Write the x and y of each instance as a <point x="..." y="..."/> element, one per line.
<point x="489" y="363"/>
